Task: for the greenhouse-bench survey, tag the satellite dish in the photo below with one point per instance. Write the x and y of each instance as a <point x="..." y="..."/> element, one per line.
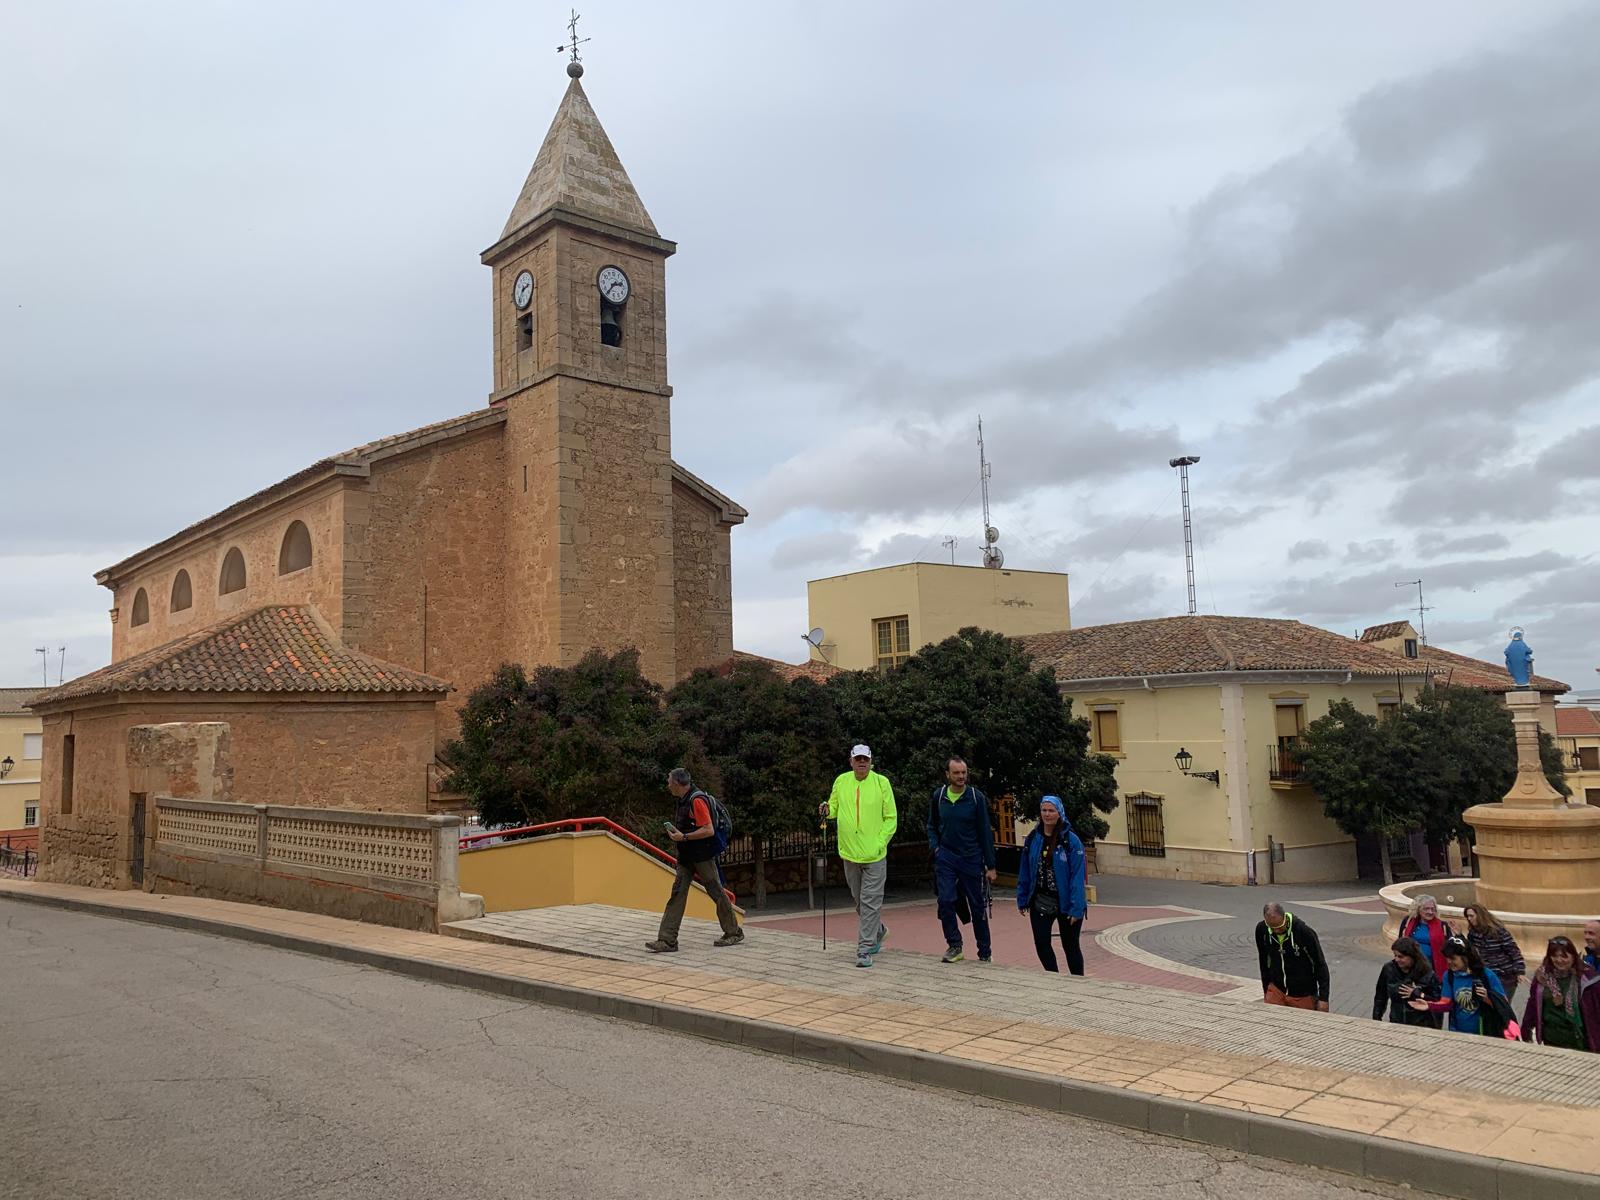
<point x="991" y="534"/>
<point x="815" y="637"/>
<point x="993" y="557"/>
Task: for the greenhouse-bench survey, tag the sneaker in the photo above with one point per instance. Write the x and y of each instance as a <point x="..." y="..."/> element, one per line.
<point x="883" y="932"/>
<point x="985" y="958"/>
<point x="730" y="939"/>
<point x="864" y="960"/>
<point x="952" y="954"/>
<point x="660" y="947"/>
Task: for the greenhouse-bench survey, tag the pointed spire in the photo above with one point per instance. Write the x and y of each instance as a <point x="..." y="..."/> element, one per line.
<point x="577" y="169"/>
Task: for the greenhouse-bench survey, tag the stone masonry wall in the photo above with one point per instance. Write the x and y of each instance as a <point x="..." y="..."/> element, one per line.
<point x="259" y="538"/>
<point x="425" y="547"/>
<point x="702" y="583"/>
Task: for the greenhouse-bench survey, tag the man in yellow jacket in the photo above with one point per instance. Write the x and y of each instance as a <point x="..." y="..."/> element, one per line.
<point x="862" y="802"/>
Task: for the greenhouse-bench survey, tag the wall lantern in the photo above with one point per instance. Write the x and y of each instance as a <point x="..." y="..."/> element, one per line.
<point x="6" y="764"/>
<point x="1185" y="760"/>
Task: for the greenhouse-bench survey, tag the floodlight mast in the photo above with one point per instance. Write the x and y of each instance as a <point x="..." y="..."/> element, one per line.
<point x="1183" y="464"/>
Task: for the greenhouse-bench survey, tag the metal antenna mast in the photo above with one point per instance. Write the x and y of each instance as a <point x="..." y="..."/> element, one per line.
<point x="1422" y="609"/>
<point x="44" y="661"/>
<point x="1183" y="464"/>
<point x="950" y="544"/>
<point x="992" y="555"/>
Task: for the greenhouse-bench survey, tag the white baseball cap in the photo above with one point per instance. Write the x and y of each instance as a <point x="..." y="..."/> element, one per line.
<point x="860" y="751"/>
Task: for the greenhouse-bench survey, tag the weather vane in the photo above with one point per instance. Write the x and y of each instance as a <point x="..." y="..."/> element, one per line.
<point x="575" y="67"/>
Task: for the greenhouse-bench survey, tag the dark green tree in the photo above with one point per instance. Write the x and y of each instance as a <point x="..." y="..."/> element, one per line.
<point x="776" y="744"/>
<point x="978" y="695"/>
<point x="593" y="739"/>
<point x="1358" y="765"/>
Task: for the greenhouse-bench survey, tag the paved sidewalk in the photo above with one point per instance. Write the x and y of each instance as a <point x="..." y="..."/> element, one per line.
<point x="1373" y="1100"/>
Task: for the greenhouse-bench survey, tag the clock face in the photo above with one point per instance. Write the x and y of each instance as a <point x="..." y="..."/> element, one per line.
<point x="613" y="284"/>
<point x="522" y="290"/>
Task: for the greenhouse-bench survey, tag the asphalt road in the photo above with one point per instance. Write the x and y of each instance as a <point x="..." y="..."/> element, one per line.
<point x="149" y="1062"/>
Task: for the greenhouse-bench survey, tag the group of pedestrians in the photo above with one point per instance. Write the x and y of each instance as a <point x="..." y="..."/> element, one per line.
<point x="1465" y="980"/>
<point x="1051" y="885"/>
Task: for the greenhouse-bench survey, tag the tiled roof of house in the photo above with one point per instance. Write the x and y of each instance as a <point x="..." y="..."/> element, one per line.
<point x="819" y="671"/>
<point x="283" y="649"/>
<point x="1577" y="722"/>
<point x="1198" y="644"/>
<point x="14" y="701"/>
<point x="1382" y="633"/>
<point x="1458" y="670"/>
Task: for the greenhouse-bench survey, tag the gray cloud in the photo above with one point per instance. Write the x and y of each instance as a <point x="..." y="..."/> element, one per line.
<point x="1308" y="549"/>
<point x="807" y="549"/>
<point x="1366" y="552"/>
<point x="1131" y="599"/>
<point x="1341" y="596"/>
<point x="1432" y="544"/>
<point x="1553" y="481"/>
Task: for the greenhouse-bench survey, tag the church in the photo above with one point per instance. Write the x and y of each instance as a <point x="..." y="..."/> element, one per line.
<point x="338" y="619"/>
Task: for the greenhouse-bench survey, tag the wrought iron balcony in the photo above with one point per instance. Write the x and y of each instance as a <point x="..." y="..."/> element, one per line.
<point x="1282" y="765"/>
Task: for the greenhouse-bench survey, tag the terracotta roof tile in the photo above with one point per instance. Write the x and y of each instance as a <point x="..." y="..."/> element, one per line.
<point x="283" y="648"/>
<point x="819" y="671"/>
<point x="14" y="701"/>
<point x="1460" y="671"/>
<point x="1577" y="722"/>
<point x="1197" y="644"/>
<point x="1382" y="633"/>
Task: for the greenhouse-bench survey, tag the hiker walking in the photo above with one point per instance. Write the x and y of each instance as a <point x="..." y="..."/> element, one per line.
<point x="1499" y="950"/>
<point x="1564" y="1001"/>
<point x="1051" y="879"/>
<point x="862" y="802"/>
<point x="694" y="836"/>
<point x="1471" y="993"/>
<point x="1406" y="977"/>
<point x="963" y="857"/>
<point x="1293" y="972"/>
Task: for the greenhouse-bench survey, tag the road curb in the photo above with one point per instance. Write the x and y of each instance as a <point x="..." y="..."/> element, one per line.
<point x="1383" y="1160"/>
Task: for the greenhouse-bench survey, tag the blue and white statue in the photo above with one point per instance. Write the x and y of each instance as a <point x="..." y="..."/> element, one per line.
<point x="1519" y="659"/>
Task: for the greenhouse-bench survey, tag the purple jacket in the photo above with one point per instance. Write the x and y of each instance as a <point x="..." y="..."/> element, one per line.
<point x="1588" y="1007"/>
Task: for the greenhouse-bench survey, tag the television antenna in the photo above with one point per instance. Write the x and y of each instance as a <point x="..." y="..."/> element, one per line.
<point x="814" y="640"/>
<point x="950" y="544"/>
<point x="44" y="662"/>
<point x="1183" y="464"/>
<point x="1422" y="609"/>
<point x="993" y="556"/>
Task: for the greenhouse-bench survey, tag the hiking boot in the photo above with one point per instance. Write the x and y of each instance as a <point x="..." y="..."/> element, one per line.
<point x="660" y="947"/>
<point x="730" y="939"/>
<point x="952" y="954"/>
<point x="883" y="932"/>
<point x="864" y="960"/>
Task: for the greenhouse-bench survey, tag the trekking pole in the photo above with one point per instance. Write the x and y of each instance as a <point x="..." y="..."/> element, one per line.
<point x="824" y="861"/>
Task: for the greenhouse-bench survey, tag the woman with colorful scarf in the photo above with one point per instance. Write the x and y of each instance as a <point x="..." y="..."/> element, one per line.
<point x="1423" y="926"/>
<point x="1564" y="1001"/>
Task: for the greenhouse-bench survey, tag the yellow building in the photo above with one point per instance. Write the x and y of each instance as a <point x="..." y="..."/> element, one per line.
<point x="880" y="618"/>
<point x="21" y="736"/>
<point x="1200" y="711"/>
<point x="1578" y="735"/>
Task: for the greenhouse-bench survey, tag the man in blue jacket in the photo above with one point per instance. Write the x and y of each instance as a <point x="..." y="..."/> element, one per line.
<point x="1051" y="885"/>
<point x="963" y="855"/>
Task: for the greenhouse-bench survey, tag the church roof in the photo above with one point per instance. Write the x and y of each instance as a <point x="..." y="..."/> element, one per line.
<point x="578" y="170"/>
<point x="1192" y="645"/>
<point x="358" y="460"/>
<point x="281" y="649"/>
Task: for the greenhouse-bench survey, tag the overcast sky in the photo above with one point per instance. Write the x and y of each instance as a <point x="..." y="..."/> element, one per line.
<point x="1348" y="255"/>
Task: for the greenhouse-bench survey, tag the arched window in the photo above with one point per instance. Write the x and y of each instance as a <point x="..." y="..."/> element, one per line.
<point x="182" y="592"/>
<point x="141" y="608"/>
<point x="296" y="552"/>
<point x="232" y="573"/>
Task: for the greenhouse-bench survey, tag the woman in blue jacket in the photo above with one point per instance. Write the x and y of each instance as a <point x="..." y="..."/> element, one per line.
<point x="1050" y="885"/>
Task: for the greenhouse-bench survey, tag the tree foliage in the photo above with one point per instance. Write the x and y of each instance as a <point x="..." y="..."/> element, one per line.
<point x="593" y="739"/>
<point x="777" y="746"/>
<point x="978" y="695"/>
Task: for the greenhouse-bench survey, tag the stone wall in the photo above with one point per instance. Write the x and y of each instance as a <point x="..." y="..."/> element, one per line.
<point x="426" y="553"/>
<point x="702" y="582"/>
<point x="259" y="537"/>
<point x="386" y="868"/>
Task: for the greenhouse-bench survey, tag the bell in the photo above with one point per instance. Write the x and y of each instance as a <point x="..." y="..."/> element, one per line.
<point x="610" y="329"/>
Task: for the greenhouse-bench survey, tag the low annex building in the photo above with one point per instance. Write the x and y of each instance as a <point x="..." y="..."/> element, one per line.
<point x="1234" y="693"/>
<point x="328" y="617"/>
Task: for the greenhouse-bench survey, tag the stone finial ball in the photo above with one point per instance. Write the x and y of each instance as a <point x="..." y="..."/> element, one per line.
<point x="575" y="69"/>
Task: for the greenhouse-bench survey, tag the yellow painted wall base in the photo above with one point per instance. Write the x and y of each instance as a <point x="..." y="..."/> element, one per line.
<point x="588" y="867"/>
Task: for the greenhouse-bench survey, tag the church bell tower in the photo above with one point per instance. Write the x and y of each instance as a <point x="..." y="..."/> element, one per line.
<point x="580" y="365"/>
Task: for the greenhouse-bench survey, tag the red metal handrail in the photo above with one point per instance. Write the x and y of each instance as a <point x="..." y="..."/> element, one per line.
<point x="581" y="823"/>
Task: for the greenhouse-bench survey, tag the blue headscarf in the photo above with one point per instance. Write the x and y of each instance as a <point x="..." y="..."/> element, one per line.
<point x="1055" y="803"/>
